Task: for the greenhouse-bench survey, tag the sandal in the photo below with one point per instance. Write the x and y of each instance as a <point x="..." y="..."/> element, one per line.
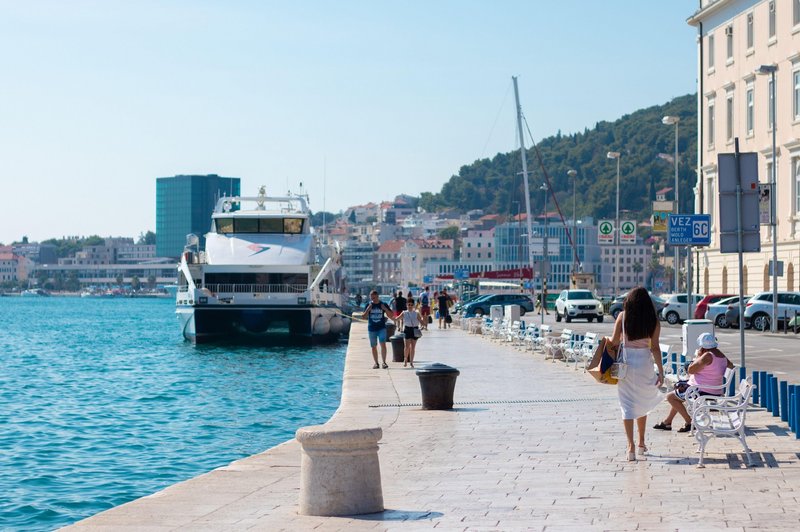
<point x="376" y="366"/>
<point x="663" y="426"/>
<point x="686" y="428"/>
<point x="385" y="365"/>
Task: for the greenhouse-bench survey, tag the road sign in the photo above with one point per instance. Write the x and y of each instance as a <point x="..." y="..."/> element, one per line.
<point x="605" y="232"/>
<point x="764" y="203"/>
<point x="661" y="209"/>
<point x="780" y="268"/>
<point x="461" y="274"/>
<point x="427" y="279"/>
<point x="689" y="230"/>
<point x="728" y="223"/>
<point x="627" y="232"/>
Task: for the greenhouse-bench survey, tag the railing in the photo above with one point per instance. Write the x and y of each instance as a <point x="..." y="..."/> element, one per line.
<point x="256" y="288"/>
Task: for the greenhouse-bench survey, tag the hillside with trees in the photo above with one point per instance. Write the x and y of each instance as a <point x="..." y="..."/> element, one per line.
<point x="647" y="147"/>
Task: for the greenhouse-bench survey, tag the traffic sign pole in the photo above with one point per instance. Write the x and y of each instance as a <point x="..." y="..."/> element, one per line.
<point x="740" y="238"/>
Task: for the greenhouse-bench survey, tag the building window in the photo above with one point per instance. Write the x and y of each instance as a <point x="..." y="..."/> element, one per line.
<point x="796" y="166"/>
<point x="796" y="90"/>
<point x="729" y="42"/>
<point x="795" y="12"/>
<point x="711" y="123"/>
<point x="771" y="112"/>
<point x="729" y="116"/>
<point x="749" y="111"/>
<point x="711" y="51"/>
<point x="749" y="31"/>
<point x="772" y="19"/>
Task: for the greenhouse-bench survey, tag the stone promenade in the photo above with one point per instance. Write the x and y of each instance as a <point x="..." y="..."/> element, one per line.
<point x="531" y="445"/>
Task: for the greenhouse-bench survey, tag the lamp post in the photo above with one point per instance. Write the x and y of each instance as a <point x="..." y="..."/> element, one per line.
<point x="673" y="120"/>
<point x="771" y="70"/>
<point x="545" y="266"/>
<point x="573" y="174"/>
<point x="616" y="155"/>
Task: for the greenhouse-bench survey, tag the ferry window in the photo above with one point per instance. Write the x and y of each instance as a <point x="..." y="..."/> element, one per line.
<point x="270" y="225"/>
<point x="246" y="225"/>
<point x="224" y="225"/>
<point x="293" y="226"/>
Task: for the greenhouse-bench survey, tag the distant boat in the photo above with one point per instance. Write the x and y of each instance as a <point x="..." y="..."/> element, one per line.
<point x="264" y="276"/>
<point x="34" y="292"/>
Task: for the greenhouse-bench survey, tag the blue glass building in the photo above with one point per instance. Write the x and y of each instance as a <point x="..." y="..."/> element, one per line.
<point x="184" y="204"/>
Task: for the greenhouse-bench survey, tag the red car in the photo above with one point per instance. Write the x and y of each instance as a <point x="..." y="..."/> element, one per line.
<point x="702" y="306"/>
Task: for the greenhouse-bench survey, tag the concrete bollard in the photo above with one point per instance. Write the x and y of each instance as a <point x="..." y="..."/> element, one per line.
<point x="340" y="472"/>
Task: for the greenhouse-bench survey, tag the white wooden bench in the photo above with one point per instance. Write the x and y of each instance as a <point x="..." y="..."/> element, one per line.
<point x="722" y="417"/>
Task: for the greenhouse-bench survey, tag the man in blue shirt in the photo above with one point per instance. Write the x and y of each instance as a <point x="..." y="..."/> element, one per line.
<point x="376" y="313"/>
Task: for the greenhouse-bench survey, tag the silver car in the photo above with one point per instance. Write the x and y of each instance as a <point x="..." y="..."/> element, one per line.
<point x="716" y="311"/>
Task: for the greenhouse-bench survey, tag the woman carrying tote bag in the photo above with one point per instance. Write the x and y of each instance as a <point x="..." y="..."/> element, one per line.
<point x="637" y="329"/>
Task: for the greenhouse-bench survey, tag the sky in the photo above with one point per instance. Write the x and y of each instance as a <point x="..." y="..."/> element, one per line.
<point x="357" y="100"/>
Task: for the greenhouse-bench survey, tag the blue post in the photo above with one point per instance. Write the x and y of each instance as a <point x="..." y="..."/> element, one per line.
<point x="762" y="383"/>
<point x="784" y="401"/>
<point x="757" y="384"/>
<point x="792" y="391"/>
<point x="797" y="412"/>
<point x="732" y="386"/>
<point x="674" y="356"/>
<point x="775" y="398"/>
<point x="768" y="391"/>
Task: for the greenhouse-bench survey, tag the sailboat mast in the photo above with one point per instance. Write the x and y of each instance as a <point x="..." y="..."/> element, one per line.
<point x="524" y="177"/>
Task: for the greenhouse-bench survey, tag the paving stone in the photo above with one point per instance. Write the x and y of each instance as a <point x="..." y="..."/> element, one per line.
<point x="554" y="460"/>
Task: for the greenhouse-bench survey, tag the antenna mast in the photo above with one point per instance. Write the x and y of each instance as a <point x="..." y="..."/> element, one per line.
<point x="525" y="179"/>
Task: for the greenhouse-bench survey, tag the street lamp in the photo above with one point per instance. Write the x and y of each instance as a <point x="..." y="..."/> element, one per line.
<point x="573" y="174"/>
<point x="545" y="266"/>
<point x="616" y="155"/>
<point x="771" y="70"/>
<point x="669" y="121"/>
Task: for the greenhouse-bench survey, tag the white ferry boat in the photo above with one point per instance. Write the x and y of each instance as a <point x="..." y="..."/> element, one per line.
<point x="264" y="276"/>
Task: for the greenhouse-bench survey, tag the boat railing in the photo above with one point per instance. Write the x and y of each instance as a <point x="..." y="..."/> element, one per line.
<point x="228" y="288"/>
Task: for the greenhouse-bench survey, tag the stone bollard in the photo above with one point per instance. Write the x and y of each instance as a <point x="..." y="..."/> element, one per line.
<point x="340" y="473"/>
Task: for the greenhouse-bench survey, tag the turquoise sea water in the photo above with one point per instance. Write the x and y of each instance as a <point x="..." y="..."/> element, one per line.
<point x="101" y="402"/>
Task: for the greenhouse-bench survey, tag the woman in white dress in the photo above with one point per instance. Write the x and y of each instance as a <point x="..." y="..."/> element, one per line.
<point x="637" y="329"/>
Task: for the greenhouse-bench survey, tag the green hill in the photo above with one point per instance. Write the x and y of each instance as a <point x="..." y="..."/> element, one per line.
<point x="494" y="184"/>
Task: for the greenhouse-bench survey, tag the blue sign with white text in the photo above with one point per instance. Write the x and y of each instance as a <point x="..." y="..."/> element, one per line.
<point x="461" y="274"/>
<point x="689" y="230"/>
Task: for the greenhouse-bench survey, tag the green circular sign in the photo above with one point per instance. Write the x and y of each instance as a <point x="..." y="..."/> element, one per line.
<point x="606" y="228"/>
<point x="628" y="228"/>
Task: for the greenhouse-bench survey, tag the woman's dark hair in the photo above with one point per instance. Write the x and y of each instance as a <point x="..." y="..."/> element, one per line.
<point x="640" y="314"/>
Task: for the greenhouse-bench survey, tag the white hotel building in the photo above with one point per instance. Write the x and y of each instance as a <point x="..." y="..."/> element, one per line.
<point x="735" y="38"/>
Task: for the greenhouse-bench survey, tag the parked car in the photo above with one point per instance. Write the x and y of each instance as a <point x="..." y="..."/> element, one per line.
<point x="732" y="315"/>
<point x="481" y="307"/>
<point x="716" y="312"/>
<point x="616" y="306"/>
<point x="572" y="304"/>
<point x="675" y="310"/>
<point x="700" y="309"/>
<point x="758" y="312"/>
<point x="459" y="306"/>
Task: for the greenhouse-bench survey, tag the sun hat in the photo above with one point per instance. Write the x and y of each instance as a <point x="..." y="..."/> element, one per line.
<point x="707" y="341"/>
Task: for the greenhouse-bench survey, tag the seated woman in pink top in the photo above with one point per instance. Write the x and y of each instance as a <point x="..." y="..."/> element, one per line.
<point x="706" y="372"/>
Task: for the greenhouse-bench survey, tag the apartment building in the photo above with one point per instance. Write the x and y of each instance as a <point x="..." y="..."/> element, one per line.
<point x="735" y="39"/>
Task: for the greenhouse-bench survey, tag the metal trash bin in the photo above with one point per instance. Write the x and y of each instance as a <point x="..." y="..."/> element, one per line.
<point x="437" y="382"/>
<point x="390" y="328"/>
<point x="398" y="347"/>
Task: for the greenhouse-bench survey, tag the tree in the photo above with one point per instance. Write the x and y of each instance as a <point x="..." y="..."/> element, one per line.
<point x="637" y="269"/>
<point x="449" y="233"/>
<point x="135" y="283"/>
<point x="72" y="284"/>
<point x="151" y="281"/>
<point x="147" y="239"/>
<point x="329" y="217"/>
<point x="120" y="279"/>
